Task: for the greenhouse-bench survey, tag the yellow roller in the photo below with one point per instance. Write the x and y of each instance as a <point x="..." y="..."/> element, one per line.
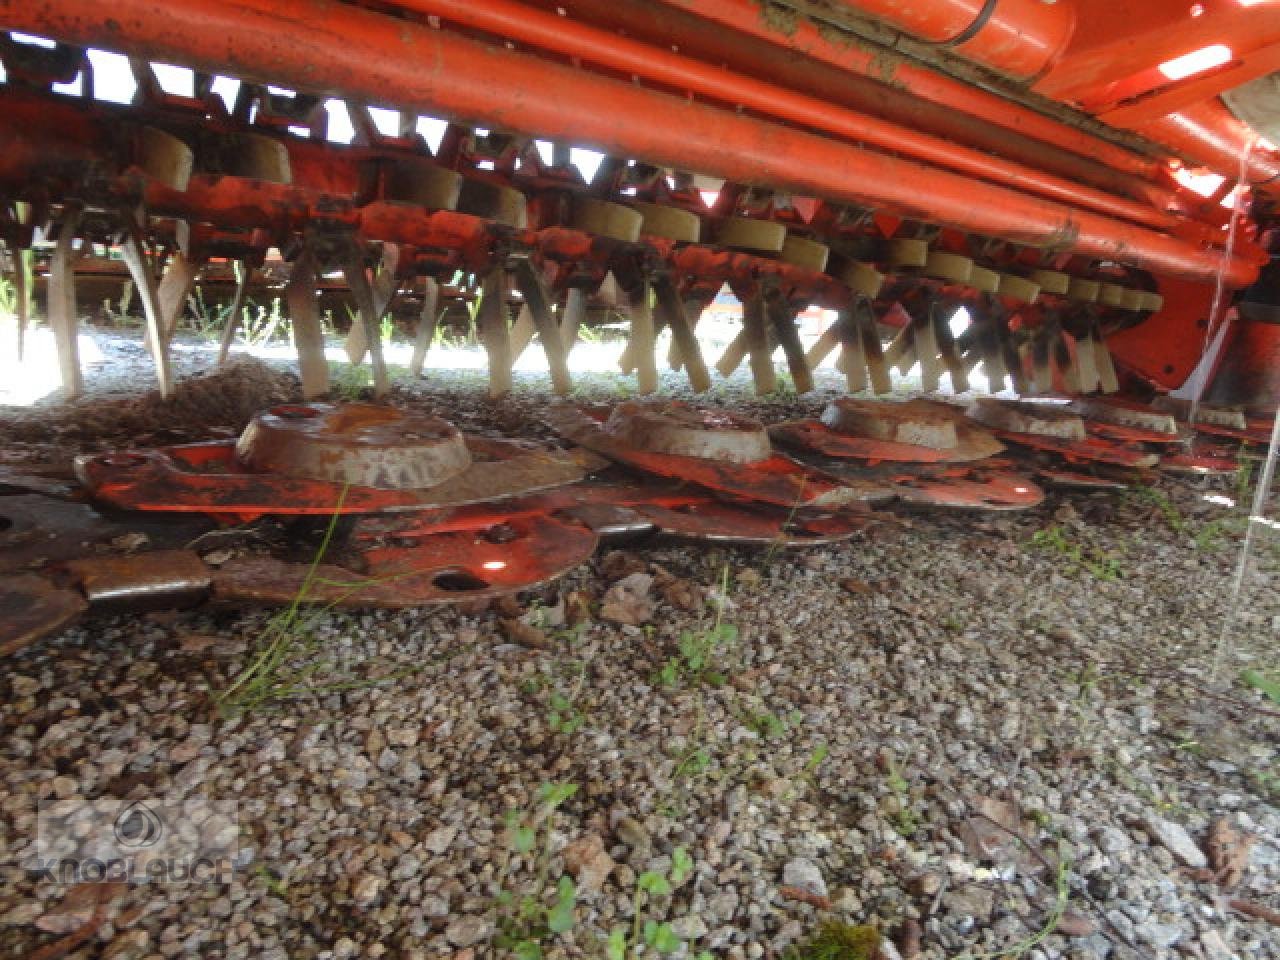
<point x="756" y="236"/>
<point x="863" y="278"/>
<point x="493" y="202"/>
<point x="670" y="223"/>
<point x="165" y="158"/>
<point x="1018" y="288"/>
<point x="256" y="157"/>
<point x="1051" y="281"/>
<point x="802" y="252"/>
<point x="1111" y="294"/>
<point x="984" y="280"/>
<point x="1083" y="290"/>
<point x="605" y="219"/>
<point x="948" y="266"/>
<point x="422" y="183"/>
<point x="905" y="252"/>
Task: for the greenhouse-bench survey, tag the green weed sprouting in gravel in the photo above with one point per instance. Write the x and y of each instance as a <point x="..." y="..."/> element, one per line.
<point x="768" y="725"/>
<point x="817" y="757"/>
<point x="1101" y="564"/>
<point x="525" y="921"/>
<point x="646" y="932"/>
<point x="1267" y="682"/>
<point x="1062" y="896"/>
<point x="264" y="679"/>
<point x="1161" y="501"/>
<point x="282" y="666"/>
<point x="563" y="716"/>
<point x="698" y="650"/>
<point x="838" y="941"/>
<point x="905" y="819"/>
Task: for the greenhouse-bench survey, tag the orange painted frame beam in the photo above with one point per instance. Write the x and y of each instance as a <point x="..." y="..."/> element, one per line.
<point x="328" y="47"/>
<point x="547" y="31"/>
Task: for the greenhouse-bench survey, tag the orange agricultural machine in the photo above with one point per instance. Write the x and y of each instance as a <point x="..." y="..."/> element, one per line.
<point x="1091" y="181"/>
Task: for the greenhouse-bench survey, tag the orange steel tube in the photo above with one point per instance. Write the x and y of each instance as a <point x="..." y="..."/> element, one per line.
<point x="517" y="21"/>
<point x="669" y="28"/>
<point x="328" y="47"/>
<point x="1019" y="37"/>
<point x="1212" y="135"/>
<point x="806" y="40"/>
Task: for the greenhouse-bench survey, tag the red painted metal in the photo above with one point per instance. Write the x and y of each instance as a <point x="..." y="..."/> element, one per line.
<point x="208" y="478"/>
<point x="385" y="562"/>
<point x="992" y="484"/>
<point x="1165" y="348"/>
<point x="271" y="39"/>
<point x="1115" y="40"/>
<point x="817" y="436"/>
<point x="1128" y="435"/>
<point x="1208" y="133"/>
<point x="1090" y="450"/>
<point x="777" y="480"/>
<point x="547" y="31"/>
<point x="737" y="20"/>
<point x="1022" y="38"/>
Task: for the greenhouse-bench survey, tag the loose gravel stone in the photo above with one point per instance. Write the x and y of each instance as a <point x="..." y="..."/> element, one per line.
<point x="805" y="875"/>
<point x="1176" y="839"/>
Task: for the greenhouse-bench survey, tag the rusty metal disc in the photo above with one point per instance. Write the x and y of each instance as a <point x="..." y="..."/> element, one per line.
<point x="37" y="530"/>
<point x="678" y="429"/>
<point x="1089" y="450"/>
<point x="816" y="436"/>
<point x="393" y="562"/>
<point x="778" y="480"/>
<point x="209" y="478"/>
<point x="32" y="607"/>
<point x="987" y="485"/>
<point x="719" y="522"/>
<point x="1024" y="417"/>
<point x="362" y="444"/>
<point x="1076" y="480"/>
<point x="926" y="431"/>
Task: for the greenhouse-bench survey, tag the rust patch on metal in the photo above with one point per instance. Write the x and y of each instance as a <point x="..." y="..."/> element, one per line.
<point x="32" y="607"/>
<point x="169" y="578"/>
<point x="401" y="562"/>
<point x="778" y="480"/>
<point x="208" y="478"/>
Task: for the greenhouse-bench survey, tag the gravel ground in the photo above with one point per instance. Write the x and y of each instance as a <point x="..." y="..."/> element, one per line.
<point x="948" y="728"/>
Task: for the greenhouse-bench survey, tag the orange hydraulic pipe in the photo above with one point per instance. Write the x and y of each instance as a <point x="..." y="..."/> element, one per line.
<point x="327" y="47"/>
<point x="1020" y="30"/>
<point x="804" y="39"/>
<point x="517" y="21"/>
<point x="1211" y="134"/>
<point x="1021" y="38"/>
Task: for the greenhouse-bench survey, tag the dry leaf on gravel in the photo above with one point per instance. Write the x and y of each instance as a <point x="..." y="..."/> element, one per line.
<point x="628" y="600"/>
<point x="854" y="585"/>
<point x="617" y="564"/>
<point x="519" y="632"/>
<point x="577" y="607"/>
<point x="1228" y="852"/>
<point x="995" y="834"/>
<point x="678" y="592"/>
